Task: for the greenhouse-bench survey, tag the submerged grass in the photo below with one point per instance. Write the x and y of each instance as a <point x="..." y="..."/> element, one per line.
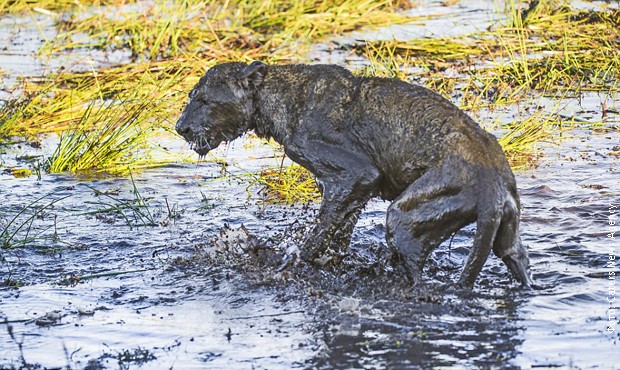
<point x="135" y="212"/>
<point x="20" y="230"/>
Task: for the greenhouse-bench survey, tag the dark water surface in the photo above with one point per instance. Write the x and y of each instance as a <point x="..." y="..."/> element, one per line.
<point x="169" y="300"/>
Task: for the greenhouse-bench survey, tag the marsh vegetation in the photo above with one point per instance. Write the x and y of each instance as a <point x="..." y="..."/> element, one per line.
<point x="109" y="118"/>
<point x="101" y="121"/>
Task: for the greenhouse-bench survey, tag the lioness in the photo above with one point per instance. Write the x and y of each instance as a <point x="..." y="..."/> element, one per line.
<point x="364" y="137"/>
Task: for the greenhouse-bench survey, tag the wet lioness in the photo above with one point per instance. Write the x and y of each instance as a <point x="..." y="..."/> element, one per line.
<point x="364" y="137"/>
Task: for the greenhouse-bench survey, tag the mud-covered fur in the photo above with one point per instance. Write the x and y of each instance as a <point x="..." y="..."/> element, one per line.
<point x="365" y="137"/>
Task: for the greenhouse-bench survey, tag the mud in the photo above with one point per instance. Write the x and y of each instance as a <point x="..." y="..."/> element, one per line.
<point x="180" y="283"/>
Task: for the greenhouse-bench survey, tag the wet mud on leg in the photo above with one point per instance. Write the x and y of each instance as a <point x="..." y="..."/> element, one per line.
<point x="422" y="218"/>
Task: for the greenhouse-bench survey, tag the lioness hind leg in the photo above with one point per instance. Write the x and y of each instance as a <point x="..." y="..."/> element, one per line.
<point x="510" y="249"/>
<point x="486" y="229"/>
<point x="423" y="217"/>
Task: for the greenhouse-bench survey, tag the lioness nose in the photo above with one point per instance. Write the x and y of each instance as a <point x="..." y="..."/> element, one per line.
<point x="182" y="129"/>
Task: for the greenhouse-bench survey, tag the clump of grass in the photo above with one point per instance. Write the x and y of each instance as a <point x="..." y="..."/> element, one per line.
<point x="136" y="211"/>
<point x="20" y="230"/>
<point x="106" y="138"/>
<point x="152" y="30"/>
<point x="10" y="112"/>
<point x="521" y="142"/>
<point x="51" y="6"/>
<point x="521" y="139"/>
<point x="384" y="60"/>
<point x="428" y="53"/>
<point x="286" y="184"/>
<point x="16" y="110"/>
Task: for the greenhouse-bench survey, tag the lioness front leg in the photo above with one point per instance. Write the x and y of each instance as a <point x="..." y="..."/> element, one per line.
<point x="337" y="217"/>
<point x="347" y="180"/>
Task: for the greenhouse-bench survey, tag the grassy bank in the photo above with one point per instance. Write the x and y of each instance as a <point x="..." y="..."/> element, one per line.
<point x="109" y="118"/>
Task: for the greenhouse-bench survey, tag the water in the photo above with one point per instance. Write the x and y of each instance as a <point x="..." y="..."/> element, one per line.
<point x="102" y="289"/>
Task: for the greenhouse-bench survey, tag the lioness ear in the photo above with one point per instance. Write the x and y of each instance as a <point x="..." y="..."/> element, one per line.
<point x="252" y="74"/>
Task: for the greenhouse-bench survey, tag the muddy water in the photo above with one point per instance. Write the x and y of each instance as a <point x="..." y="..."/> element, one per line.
<point x="104" y="289"/>
<point x="104" y="283"/>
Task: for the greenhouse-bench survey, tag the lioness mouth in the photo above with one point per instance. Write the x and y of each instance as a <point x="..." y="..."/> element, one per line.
<point x="201" y="146"/>
<point x="202" y="151"/>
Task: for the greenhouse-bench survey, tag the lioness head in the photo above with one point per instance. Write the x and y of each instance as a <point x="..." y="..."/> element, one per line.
<point x="220" y="105"/>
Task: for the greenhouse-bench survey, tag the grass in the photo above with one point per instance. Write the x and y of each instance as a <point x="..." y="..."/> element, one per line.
<point x="521" y="139"/>
<point x="108" y="119"/>
<point x="51" y="6"/>
<point x="230" y="30"/>
<point x="20" y="230"/>
<point x="108" y="142"/>
<point x="135" y="212"/>
<point x="549" y="47"/>
<point x="384" y="60"/>
<point x="553" y="46"/>
<point x="286" y="184"/>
